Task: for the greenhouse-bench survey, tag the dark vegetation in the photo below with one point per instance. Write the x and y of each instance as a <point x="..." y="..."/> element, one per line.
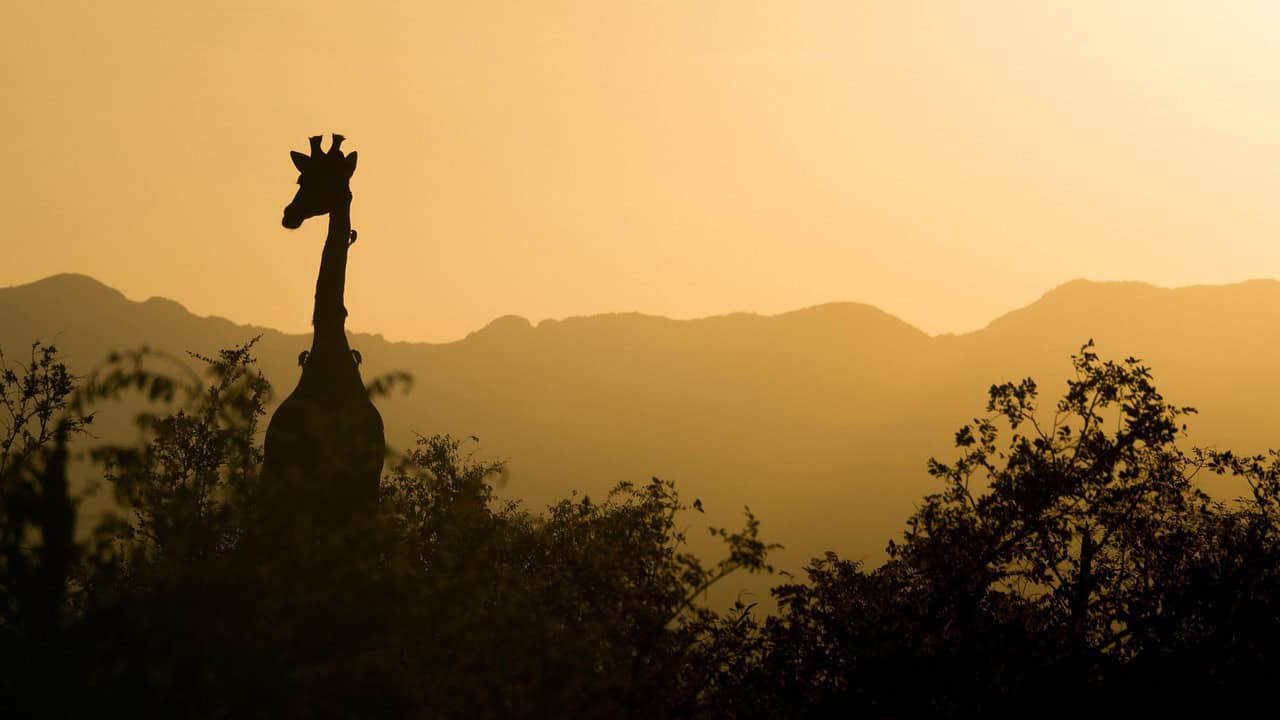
<point x="1069" y="562"/>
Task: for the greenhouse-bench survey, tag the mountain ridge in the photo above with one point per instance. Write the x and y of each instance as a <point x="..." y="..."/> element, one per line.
<point x="820" y="419"/>
<point x="72" y="281"/>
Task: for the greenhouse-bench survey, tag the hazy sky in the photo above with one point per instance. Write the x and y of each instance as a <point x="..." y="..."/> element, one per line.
<point x="946" y="161"/>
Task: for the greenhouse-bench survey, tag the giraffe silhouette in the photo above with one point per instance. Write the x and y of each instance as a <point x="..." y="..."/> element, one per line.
<point x="324" y="446"/>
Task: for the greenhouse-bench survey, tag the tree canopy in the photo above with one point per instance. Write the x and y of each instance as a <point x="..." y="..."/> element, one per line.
<point x="1070" y="560"/>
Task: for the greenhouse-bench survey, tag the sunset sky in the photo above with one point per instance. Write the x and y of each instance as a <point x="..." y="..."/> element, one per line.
<point x="945" y="161"/>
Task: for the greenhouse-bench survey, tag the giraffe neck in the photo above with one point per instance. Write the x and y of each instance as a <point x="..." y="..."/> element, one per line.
<point x="330" y="315"/>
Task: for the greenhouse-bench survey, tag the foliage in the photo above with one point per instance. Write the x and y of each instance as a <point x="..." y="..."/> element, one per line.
<point x="448" y="602"/>
<point x="36" y="511"/>
<point x="1076" y="560"/>
<point x="1070" y="561"/>
<point x="38" y="552"/>
<point x="187" y="483"/>
<point x="35" y="396"/>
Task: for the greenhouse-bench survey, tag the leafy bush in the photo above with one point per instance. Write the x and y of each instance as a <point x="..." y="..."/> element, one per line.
<point x="448" y="602"/>
<point x="1069" y="562"/>
<point x="1073" y="566"/>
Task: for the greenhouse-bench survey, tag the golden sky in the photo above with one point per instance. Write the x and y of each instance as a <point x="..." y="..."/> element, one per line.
<point x="946" y="161"/>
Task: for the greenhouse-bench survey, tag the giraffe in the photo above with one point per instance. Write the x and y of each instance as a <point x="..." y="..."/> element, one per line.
<point x="324" y="445"/>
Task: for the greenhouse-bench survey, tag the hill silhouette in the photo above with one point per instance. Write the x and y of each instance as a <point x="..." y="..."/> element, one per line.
<point x="821" y="419"/>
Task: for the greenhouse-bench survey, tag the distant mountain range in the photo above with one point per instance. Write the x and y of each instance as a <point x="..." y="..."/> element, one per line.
<point x="820" y="419"/>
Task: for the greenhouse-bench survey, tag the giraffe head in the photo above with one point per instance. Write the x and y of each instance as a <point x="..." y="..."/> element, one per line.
<point x="324" y="181"/>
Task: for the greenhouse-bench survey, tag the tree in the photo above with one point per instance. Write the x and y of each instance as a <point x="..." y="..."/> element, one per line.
<point x="1069" y="556"/>
<point x="450" y="603"/>
<point x="1069" y="561"/>
<point x="37" y="515"/>
<point x="38" y="550"/>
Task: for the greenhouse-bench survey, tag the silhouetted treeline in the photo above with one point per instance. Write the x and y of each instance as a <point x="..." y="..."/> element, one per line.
<point x="1070" y="562"/>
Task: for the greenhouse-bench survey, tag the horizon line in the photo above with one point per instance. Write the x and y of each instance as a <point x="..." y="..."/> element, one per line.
<point x="754" y="313"/>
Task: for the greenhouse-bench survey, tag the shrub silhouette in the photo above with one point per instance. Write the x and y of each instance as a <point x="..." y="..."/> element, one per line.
<point x="1074" y="566"/>
<point x="1069" y="562"/>
<point x="451" y="602"/>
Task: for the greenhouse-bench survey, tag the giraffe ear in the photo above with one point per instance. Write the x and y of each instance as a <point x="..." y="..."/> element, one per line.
<point x="299" y="160"/>
<point x="351" y="164"/>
